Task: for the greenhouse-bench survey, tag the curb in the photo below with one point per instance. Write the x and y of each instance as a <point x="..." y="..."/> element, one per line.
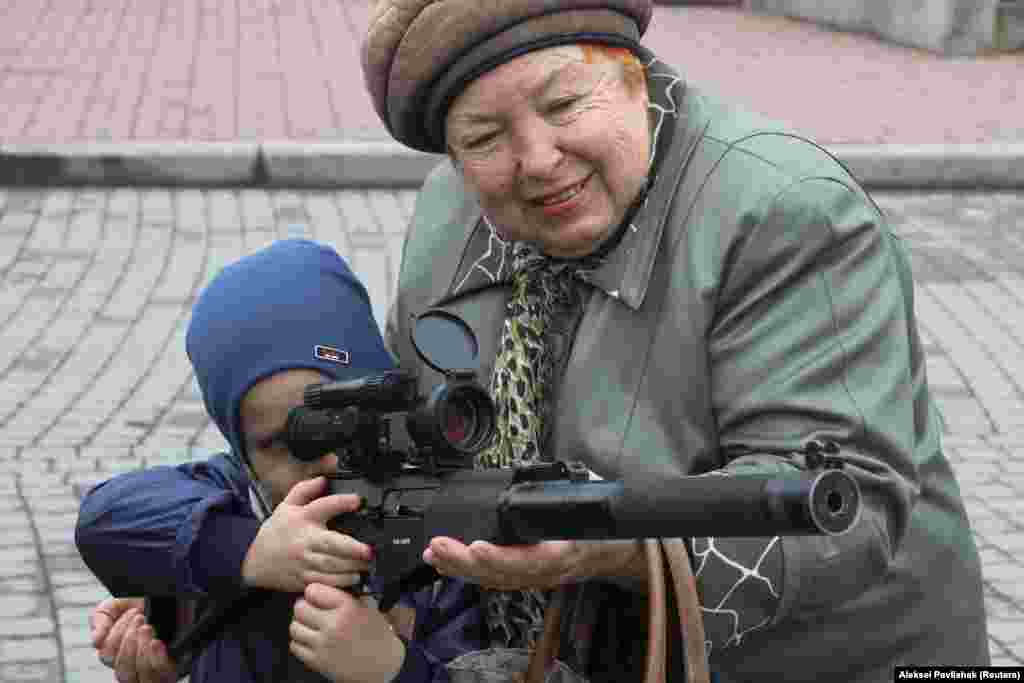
<point x="291" y="164"/>
<point x="286" y="164"/>
<point x="995" y="166"/>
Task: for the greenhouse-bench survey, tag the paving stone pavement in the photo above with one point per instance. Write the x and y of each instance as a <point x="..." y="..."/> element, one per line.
<point x="95" y="290"/>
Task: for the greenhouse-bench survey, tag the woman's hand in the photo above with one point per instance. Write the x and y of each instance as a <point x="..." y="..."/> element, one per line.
<point x="338" y="636"/>
<point x="294" y="547"/>
<point x="540" y="566"/>
<point x="128" y="645"/>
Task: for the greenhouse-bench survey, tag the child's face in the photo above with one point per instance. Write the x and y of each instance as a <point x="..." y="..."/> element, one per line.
<point x="264" y="412"/>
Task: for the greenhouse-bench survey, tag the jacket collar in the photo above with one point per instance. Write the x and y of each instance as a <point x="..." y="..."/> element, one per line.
<point x="624" y="272"/>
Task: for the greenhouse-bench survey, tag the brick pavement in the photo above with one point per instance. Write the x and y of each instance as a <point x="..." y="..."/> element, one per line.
<point x="227" y="70"/>
<point x="94" y="292"/>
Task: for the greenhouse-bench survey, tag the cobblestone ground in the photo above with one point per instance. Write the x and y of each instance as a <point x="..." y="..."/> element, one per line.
<point x="95" y="289"/>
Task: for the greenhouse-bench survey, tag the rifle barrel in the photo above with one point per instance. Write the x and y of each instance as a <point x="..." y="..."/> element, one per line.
<point x="708" y="505"/>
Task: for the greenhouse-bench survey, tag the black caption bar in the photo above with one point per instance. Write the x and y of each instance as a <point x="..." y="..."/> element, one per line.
<point x="958" y="673"/>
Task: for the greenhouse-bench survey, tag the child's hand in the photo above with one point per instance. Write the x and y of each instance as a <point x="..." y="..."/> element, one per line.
<point x="128" y="645"/>
<point x="108" y="622"/>
<point x="344" y="639"/>
<point x="294" y="547"/>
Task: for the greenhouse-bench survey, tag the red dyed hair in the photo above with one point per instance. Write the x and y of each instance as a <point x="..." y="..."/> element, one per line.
<point x="632" y="70"/>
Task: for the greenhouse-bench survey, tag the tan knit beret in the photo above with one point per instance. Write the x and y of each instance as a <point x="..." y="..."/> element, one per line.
<point x="418" y="55"/>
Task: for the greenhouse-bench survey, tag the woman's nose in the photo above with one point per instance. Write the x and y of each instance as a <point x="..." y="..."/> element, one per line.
<point x="539" y="152"/>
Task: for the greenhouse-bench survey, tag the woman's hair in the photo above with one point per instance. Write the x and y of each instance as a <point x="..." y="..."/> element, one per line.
<point x="632" y="70"/>
<point x="634" y="74"/>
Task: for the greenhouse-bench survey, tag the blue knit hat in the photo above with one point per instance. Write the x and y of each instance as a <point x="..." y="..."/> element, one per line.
<point x="295" y="304"/>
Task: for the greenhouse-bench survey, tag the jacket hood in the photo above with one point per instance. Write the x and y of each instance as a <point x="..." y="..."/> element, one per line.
<point x="295" y="304"/>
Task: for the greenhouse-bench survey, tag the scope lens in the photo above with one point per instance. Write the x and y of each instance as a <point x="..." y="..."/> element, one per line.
<point x="464" y="419"/>
<point x="460" y="420"/>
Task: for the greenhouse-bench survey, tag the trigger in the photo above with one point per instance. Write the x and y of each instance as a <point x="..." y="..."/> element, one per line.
<point x="360" y="589"/>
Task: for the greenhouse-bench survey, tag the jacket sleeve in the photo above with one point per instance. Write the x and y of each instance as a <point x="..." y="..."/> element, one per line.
<point x="180" y="530"/>
<point x="813" y="338"/>
<point x="449" y="623"/>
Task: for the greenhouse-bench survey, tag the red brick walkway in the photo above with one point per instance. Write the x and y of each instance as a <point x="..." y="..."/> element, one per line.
<point x="78" y="70"/>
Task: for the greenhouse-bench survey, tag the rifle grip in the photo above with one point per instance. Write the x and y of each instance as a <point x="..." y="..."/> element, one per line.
<point x="162" y="614"/>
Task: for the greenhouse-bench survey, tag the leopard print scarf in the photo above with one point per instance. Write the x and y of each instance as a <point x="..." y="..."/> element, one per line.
<point x="543" y="290"/>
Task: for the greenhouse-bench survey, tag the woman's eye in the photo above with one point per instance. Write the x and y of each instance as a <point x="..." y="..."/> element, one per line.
<point x="477" y="142"/>
<point x="562" y="104"/>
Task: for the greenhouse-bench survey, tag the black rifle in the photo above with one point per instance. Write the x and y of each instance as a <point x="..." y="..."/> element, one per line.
<point x="431" y="489"/>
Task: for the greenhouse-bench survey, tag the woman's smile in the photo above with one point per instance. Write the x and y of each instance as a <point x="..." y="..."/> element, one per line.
<point x="566" y="202"/>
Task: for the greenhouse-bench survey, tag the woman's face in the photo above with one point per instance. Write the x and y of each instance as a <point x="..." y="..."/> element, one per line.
<point x="264" y="413"/>
<point x="555" y="148"/>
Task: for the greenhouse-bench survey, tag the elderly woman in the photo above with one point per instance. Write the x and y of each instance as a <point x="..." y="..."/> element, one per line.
<point x="663" y="285"/>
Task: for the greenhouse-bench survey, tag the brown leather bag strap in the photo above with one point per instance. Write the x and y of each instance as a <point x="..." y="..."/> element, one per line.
<point x="691" y="623"/>
<point x="547" y="648"/>
<point x="657" y="617"/>
<point x="546" y="651"/>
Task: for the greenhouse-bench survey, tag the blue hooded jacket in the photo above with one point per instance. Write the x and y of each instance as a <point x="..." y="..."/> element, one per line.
<point x="185" y="530"/>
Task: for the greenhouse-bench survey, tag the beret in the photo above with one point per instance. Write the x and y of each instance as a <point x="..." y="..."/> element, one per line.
<point x="418" y="55"/>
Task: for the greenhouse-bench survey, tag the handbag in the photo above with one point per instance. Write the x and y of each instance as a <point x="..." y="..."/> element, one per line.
<point x="542" y="664"/>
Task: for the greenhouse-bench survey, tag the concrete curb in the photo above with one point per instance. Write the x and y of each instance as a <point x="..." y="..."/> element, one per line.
<point x="286" y="164"/>
<point x="982" y="166"/>
<point x="293" y="164"/>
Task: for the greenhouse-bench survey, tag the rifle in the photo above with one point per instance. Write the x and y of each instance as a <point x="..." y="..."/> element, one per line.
<point x="411" y="495"/>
